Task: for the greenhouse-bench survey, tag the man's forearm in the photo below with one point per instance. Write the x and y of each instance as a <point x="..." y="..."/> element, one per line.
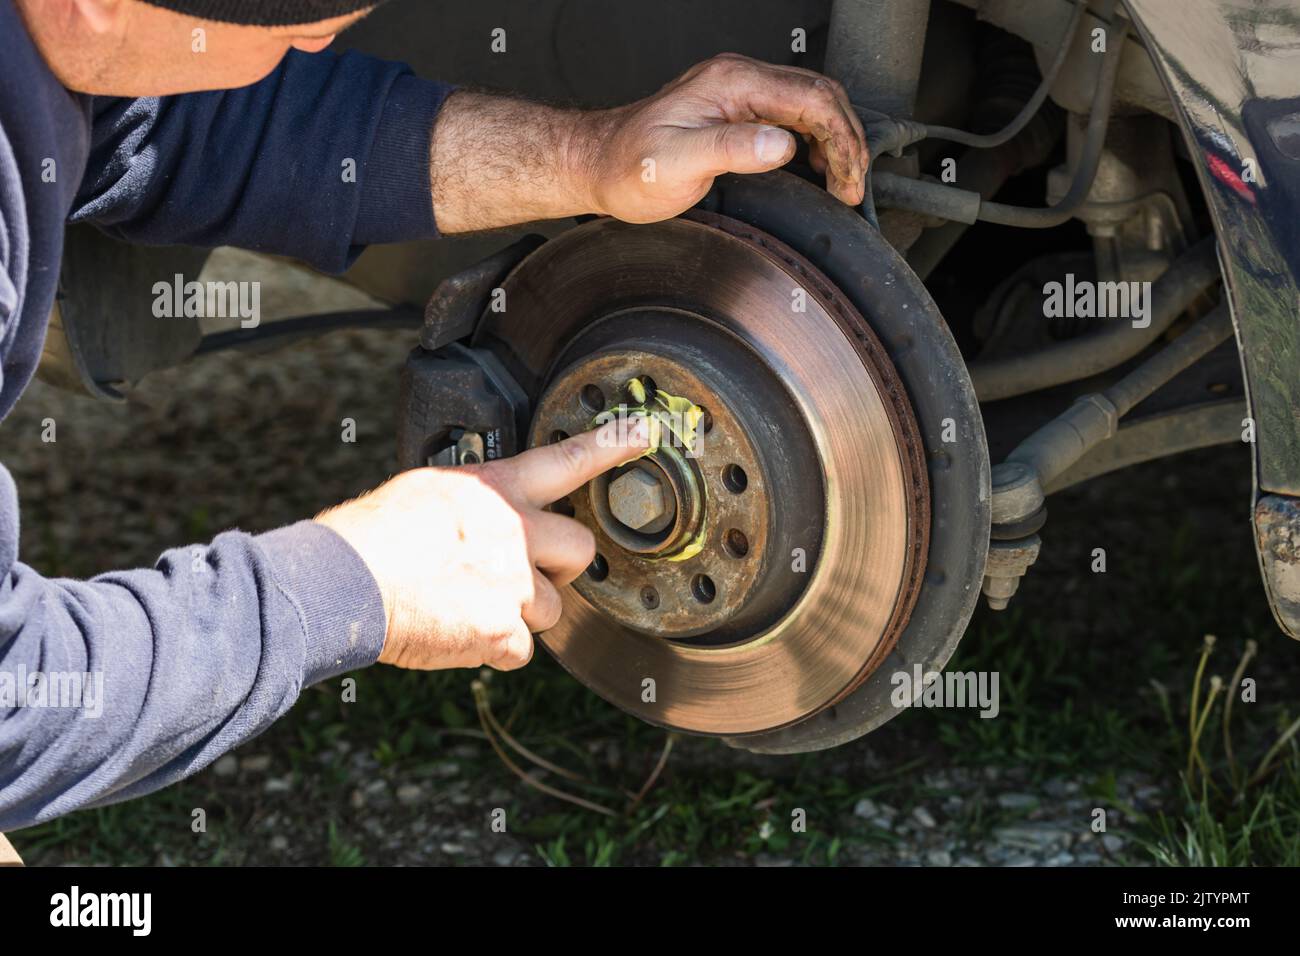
<point x="499" y="161"/>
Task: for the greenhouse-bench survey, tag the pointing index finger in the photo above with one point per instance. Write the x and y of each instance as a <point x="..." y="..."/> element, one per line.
<point x="549" y="473"/>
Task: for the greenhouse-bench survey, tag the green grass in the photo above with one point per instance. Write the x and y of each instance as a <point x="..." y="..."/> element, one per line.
<point x="1260" y="830"/>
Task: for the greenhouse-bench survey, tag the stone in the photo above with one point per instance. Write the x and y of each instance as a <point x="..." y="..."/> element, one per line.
<point x="227" y="766"/>
<point x="866" y="809"/>
<point x="1033" y="836"/>
<point x="1017" y="801"/>
<point x="923" y="816"/>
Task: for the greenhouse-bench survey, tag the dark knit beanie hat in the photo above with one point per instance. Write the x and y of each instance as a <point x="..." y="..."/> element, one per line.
<point x="265" y="13"/>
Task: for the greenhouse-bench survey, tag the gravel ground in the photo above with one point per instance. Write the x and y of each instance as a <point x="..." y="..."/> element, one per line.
<point x="434" y="816"/>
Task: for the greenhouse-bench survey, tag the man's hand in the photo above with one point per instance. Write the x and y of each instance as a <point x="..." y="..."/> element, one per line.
<point x="657" y="158"/>
<point x="467" y="561"/>
<point x="499" y="161"/>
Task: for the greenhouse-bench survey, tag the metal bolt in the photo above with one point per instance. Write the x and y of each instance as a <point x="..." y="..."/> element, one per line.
<point x="1007" y="563"/>
<point x="637" y="499"/>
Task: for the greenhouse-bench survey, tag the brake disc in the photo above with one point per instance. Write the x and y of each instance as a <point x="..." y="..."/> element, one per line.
<point x="751" y="582"/>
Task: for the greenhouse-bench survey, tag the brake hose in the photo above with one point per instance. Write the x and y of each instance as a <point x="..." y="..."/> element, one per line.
<point x="1089" y="159"/>
<point x="1030" y="109"/>
<point x="963" y="205"/>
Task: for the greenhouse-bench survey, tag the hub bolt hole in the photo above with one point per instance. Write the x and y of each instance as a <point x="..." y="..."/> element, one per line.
<point x="563" y="507"/>
<point x="598" y="570"/>
<point x="703" y="588"/>
<point x="558" y="435"/>
<point x="735" y="543"/>
<point x="650" y="387"/>
<point x="593" y="399"/>
<point x="649" y="598"/>
<point x="735" y="479"/>
<point x="706" y="420"/>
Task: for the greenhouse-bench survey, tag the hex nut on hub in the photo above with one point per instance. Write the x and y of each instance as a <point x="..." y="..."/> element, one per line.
<point x="637" y="499"/>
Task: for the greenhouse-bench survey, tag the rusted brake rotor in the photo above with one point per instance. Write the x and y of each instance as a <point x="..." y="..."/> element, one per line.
<point x="753" y="581"/>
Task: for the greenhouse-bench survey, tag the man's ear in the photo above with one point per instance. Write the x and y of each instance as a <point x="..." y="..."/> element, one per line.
<point x="99" y="15"/>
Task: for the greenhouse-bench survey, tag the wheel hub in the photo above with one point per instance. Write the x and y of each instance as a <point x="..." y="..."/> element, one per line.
<point x="755" y="580"/>
<point x="695" y="565"/>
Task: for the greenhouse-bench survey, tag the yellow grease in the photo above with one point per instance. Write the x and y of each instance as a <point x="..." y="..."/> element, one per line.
<point x="681" y="417"/>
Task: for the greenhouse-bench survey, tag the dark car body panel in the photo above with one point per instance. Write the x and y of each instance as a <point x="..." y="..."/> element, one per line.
<point x="1233" y="70"/>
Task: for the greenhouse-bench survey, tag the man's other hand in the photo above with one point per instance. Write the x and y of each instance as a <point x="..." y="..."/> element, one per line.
<point x="467" y="560"/>
<point x="656" y="158"/>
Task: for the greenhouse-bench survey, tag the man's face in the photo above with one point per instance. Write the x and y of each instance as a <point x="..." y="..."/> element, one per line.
<point x="131" y="48"/>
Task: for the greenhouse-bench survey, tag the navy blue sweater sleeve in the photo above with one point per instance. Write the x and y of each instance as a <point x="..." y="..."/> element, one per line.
<point x="325" y="155"/>
<point x="116" y="686"/>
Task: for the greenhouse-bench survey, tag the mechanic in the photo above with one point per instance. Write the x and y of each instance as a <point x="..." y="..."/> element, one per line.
<point x="214" y="122"/>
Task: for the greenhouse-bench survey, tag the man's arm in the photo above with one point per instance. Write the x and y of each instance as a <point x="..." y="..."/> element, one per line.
<point x="174" y="665"/>
<point x="116" y="686"/>
<point x="330" y="153"/>
<point x="499" y="161"/>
